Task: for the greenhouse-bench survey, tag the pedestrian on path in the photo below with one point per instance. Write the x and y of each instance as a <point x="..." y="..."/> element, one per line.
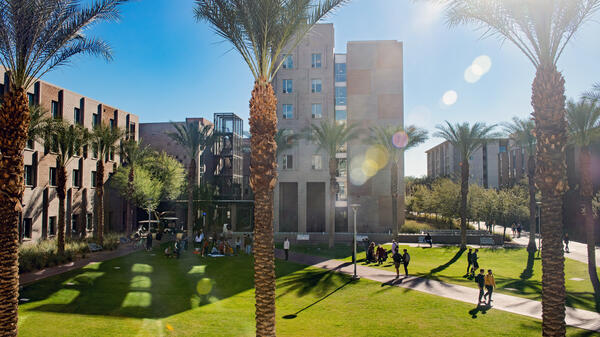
<point x="480" y="279"/>
<point x="149" y="241"/>
<point x="394" y="247"/>
<point x="490" y="284"/>
<point x="397" y="260"/>
<point x="474" y="259"/>
<point x="519" y="229"/>
<point x="469" y="261"/>
<point x="566" y="239"/>
<point x="428" y="240"/>
<point x="405" y="261"/>
<point x="286" y="248"/>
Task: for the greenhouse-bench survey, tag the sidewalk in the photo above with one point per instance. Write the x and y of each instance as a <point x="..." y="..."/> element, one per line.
<point x="574" y="317"/>
<point x="34" y="276"/>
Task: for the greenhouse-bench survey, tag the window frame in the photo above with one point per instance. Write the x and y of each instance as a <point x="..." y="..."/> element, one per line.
<point x="285" y="114"/>
<point x="288" y="162"/>
<point x="288" y="61"/>
<point x="287" y="89"/>
<point x="316" y="165"/>
<point x="316" y="86"/>
<point x="320" y="112"/>
<point x="52" y="177"/>
<point x="316" y="60"/>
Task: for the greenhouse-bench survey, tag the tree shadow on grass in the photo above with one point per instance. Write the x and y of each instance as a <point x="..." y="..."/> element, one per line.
<point x="294" y="315"/>
<point x="528" y="271"/>
<point x="308" y="281"/>
<point x="447" y="264"/>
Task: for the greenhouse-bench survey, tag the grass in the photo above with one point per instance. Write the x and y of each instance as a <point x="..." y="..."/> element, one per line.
<point x="515" y="274"/>
<point x="149" y="295"/>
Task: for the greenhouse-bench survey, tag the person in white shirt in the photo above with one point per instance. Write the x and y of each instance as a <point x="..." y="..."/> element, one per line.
<point x="286" y="248"/>
<point x="199" y="238"/>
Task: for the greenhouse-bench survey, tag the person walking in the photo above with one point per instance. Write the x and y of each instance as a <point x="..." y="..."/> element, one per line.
<point x="238" y="245"/>
<point x="429" y="240"/>
<point x="519" y="229"/>
<point x="397" y="260"/>
<point x="149" y="241"/>
<point x="394" y="247"/>
<point x="474" y="259"/>
<point x="469" y="261"/>
<point x="513" y="229"/>
<point x="286" y="248"/>
<point x="480" y="279"/>
<point x="566" y="240"/>
<point x="490" y="284"/>
<point x="405" y="261"/>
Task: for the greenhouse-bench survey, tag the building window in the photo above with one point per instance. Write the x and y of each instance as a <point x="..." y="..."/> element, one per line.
<point x="94" y="151"/>
<point x="74" y="219"/>
<point x="342" y="167"/>
<point x="95" y="120"/>
<point x="340" y="72"/>
<point x="341" y="195"/>
<point x="93" y="177"/>
<point x="288" y="111"/>
<point x="288" y="62"/>
<point x="341" y="115"/>
<point x="54" y="109"/>
<point x="316" y="85"/>
<point x="340" y="95"/>
<point x="112" y="124"/>
<point x="52" y="225"/>
<point x="30" y="144"/>
<point x="288" y="162"/>
<point x="76" y="178"/>
<point x="132" y="131"/>
<point x="316" y="61"/>
<point x="317" y="162"/>
<point x="52" y="176"/>
<point x="112" y="155"/>
<point x="90" y="222"/>
<point x="28" y="175"/>
<point x="31" y="99"/>
<point x="288" y="86"/>
<point x="27" y="228"/>
<point x="317" y="111"/>
<point x="77" y="116"/>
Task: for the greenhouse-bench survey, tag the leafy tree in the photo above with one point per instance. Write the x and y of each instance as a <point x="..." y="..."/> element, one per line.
<point x="168" y="170"/>
<point x="132" y="154"/>
<point x="466" y="139"/>
<point x="445" y="198"/>
<point x="262" y="31"/>
<point x="541" y="29"/>
<point x="331" y="137"/>
<point x="194" y="139"/>
<point x="35" y="38"/>
<point x="584" y="128"/>
<point x="384" y="137"/>
<point x="521" y="132"/>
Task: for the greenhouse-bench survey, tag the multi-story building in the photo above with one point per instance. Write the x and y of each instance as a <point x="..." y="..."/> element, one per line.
<point x="486" y="163"/>
<point x="40" y="201"/>
<point x="363" y="87"/>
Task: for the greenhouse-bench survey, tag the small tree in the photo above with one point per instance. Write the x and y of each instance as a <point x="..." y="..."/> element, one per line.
<point x="132" y="155"/>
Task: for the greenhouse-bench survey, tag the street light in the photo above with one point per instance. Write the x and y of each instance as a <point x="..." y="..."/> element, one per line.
<point x="355" y="209"/>
<point x="539" y="209"/>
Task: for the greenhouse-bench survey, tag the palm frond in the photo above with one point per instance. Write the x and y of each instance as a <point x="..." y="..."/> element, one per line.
<point x="193" y="137"/>
<point x="521" y="132"/>
<point x="464" y="137"/>
<point x="583" y="118"/>
<point x="330" y="136"/>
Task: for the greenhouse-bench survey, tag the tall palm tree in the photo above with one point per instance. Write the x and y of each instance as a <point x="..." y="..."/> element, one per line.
<point x="384" y="137"/>
<point x="105" y="140"/>
<point x="540" y="29"/>
<point x="38" y="120"/>
<point x="194" y="139"/>
<point x="132" y="154"/>
<point x="35" y="38"/>
<point x="331" y="137"/>
<point x="66" y="141"/>
<point x="466" y="139"/>
<point x="262" y="31"/>
<point x="521" y="132"/>
<point x="584" y="128"/>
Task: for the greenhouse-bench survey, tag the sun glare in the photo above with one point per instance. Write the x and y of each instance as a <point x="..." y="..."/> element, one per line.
<point x="450" y="97"/>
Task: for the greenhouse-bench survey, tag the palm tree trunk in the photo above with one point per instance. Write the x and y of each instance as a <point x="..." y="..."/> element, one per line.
<point x="99" y="204"/>
<point x="394" y="192"/>
<point x="263" y="176"/>
<point x="548" y="102"/>
<point x="532" y="206"/>
<point x="333" y="189"/>
<point x="61" y="192"/>
<point x="587" y="193"/>
<point x="190" y="206"/>
<point x="129" y="210"/>
<point x="464" y="192"/>
<point x="14" y="118"/>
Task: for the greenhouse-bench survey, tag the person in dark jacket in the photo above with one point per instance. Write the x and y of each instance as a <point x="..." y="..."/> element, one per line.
<point x="469" y="260"/>
<point x="149" y="241"/>
<point x="405" y="261"/>
<point x="480" y="279"/>
<point x="474" y="257"/>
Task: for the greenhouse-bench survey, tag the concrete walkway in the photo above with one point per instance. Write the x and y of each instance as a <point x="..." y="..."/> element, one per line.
<point x="574" y="317"/>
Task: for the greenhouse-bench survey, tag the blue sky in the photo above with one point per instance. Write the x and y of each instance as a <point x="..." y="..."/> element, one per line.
<point x="167" y="66"/>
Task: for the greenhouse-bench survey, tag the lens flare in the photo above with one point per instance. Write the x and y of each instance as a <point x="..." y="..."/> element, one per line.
<point x="379" y="155"/>
<point x="356" y="174"/>
<point x="369" y="168"/>
<point x="450" y="97"/>
<point x="483" y="63"/>
<point x="400" y="139"/>
<point x="204" y="286"/>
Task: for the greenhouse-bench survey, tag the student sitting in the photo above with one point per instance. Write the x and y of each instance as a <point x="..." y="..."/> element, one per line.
<point x="381" y="255"/>
<point x="371" y="253"/>
<point x="168" y="252"/>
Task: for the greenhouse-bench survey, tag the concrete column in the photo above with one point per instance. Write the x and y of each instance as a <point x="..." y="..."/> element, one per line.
<point x="301" y="206"/>
<point x="233" y="210"/>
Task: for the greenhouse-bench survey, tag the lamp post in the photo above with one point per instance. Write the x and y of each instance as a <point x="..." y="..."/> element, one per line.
<point x="539" y="209"/>
<point x="355" y="209"/>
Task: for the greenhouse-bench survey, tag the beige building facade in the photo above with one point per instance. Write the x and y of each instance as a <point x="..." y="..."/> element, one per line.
<point x="39" y="219"/>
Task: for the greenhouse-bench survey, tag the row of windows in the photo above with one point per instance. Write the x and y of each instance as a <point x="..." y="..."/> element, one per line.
<point x="26" y="229"/>
<point x="52" y="177"/>
<point x="315" y="61"/>
<point x="316" y="112"/>
<point x="288" y="162"/>
<point x="316" y="86"/>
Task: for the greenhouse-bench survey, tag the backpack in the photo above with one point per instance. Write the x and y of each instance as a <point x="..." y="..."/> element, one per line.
<point x="397" y="257"/>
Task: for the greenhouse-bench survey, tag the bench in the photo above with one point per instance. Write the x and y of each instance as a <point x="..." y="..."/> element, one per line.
<point x="486" y="240"/>
<point x="302" y="237"/>
<point x="94" y="247"/>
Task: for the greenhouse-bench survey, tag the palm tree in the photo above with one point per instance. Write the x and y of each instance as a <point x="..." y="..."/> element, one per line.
<point x="132" y="155"/>
<point x="331" y="137"/>
<point x="35" y="38"/>
<point x="194" y="139"/>
<point x="285" y="140"/>
<point x="383" y="136"/>
<point x="584" y="129"/>
<point x="38" y="120"/>
<point x="521" y="132"/>
<point x="262" y="31"/>
<point x="66" y="141"/>
<point x="540" y="29"/>
<point x="104" y="142"/>
<point x="466" y="139"/>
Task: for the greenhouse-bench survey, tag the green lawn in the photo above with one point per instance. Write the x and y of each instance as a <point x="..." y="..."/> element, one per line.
<point x="510" y="266"/>
<point x="154" y="296"/>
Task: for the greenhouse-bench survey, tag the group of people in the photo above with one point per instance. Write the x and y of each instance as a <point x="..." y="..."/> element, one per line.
<point x="516" y="229"/>
<point x="379" y="255"/>
<point x="485" y="282"/>
<point x="221" y="245"/>
<point x="175" y="250"/>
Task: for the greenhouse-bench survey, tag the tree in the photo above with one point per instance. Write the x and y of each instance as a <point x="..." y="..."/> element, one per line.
<point x="66" y="141"/>
<point x="540" y="29"/>
<point x="331" y="137"/>
<point x="285" y="140"/>
<point x="466" y="139"/>
<point x="262" y="31"/>
<point x="194" y="139"/>
<point x="584" y="128"/>
<point x="38" y="120"/>
<point x="132" y="155"/>
<point x="521" y="132"/>
<point x="35" y="38"/>
<point x="104" y="143"/>
<point x="385" y="137"/>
